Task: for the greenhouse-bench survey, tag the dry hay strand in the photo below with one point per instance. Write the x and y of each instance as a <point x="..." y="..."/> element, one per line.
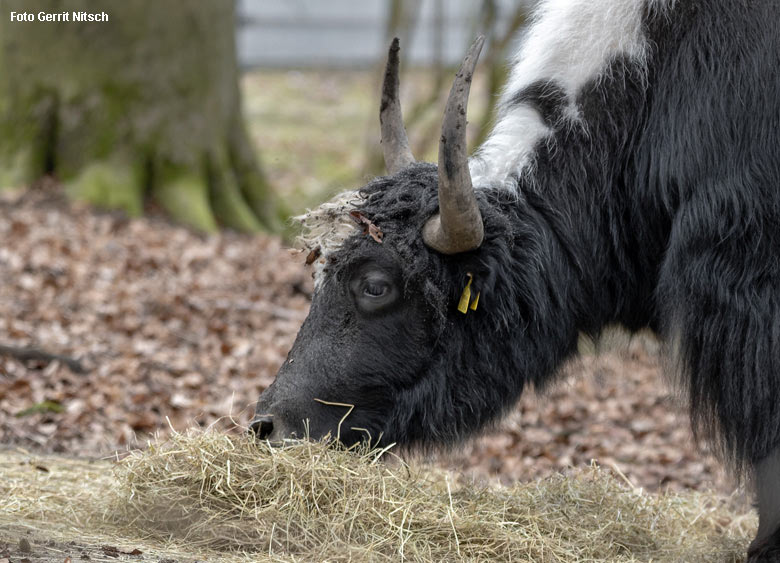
<point x="34" y="487"/>
<point x="308" y="501"/>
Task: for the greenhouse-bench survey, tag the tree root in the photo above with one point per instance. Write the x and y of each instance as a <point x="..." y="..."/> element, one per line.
<point x="112" y="184"/>
<point x="228" y="203"/>
<point x="185" y="196"/>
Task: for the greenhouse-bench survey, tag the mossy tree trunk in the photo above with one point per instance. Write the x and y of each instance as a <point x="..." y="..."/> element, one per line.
<point x="142" y="107"/>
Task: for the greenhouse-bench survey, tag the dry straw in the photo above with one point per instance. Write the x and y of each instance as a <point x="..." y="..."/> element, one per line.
<point x="229" y="497"/>
<point x="316" y="503"/>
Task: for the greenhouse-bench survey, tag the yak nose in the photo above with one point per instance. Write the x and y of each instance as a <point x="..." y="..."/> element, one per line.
<point x="262" y="426"/>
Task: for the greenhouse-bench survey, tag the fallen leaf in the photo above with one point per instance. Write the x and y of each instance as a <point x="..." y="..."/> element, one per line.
<point x="368" y="227"/>
<point x="110" y="550"/>
<point x="313" y="255"/>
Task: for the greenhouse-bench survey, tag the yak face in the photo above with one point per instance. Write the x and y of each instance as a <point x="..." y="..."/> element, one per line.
<point x="367" y="338"/>
<point x="386" y="354"/>
<point x="364" y="364"/>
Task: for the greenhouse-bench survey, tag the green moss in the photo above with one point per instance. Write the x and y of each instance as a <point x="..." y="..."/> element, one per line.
<point x="259" y="197"/>
<point x="185" y="196"/>
<point x="17" y="169"/>
<point x="109" y="184"/>
<point x="229" y="205"/>
<point x="26" y="128"/>
<point x="251" y="180"/>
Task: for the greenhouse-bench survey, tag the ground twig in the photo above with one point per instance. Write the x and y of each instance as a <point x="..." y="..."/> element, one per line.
<point x="28" y="353"/>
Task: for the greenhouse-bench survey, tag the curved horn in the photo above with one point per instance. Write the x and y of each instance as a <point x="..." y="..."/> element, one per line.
<point x="458" y="226"/>
<point x="395" y="145"/>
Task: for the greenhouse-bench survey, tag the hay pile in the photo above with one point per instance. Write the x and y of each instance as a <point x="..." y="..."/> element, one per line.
<point x="225" y="496"/>
<point x="316" y="503"/>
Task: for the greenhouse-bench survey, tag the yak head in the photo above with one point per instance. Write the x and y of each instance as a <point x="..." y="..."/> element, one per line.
<point x="386" y="353"/>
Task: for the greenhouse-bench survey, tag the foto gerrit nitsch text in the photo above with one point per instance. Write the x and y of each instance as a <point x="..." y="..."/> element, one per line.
<point x="59" y="16"/>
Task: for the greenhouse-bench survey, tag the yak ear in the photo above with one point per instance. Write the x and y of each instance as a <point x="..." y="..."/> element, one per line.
<point x="395" y="144"/>
<point x="458" y="226"/>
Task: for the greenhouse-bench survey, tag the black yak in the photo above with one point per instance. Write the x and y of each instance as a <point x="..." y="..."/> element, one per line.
<point x="632" y="176"/>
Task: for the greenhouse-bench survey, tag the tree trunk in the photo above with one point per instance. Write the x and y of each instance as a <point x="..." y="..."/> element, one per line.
<point x="144" y="106"/>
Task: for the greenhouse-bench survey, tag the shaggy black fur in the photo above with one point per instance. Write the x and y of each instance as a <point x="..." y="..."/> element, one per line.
<point x="662" y="211"/>
<point x="476" y="364"/>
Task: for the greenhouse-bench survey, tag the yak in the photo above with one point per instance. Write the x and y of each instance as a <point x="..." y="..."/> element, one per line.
<point x="632" y="177"/>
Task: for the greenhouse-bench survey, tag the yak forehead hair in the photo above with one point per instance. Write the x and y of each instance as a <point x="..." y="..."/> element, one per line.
<point x="326" y="227"/>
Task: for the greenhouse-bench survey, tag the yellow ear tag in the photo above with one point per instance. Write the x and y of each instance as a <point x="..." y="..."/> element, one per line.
<point x="474" y="303"/>
<point x="465" y="297"/>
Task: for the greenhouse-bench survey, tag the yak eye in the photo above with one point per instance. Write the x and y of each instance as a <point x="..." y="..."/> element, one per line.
<point x="373" y="289"/>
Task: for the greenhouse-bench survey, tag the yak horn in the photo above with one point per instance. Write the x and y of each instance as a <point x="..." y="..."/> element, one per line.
<point x="395" y="144"/>
<point x="458" y="226"/>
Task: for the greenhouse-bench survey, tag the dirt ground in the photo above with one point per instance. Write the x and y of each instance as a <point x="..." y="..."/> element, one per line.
<point x="174" y="329"/>
<point x="18" y="544"/>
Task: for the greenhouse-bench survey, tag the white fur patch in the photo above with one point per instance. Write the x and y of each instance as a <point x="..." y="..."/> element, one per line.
<point x="509" y="147"/>
<point x="570" y="42"/>
<point x="325" y="228"/>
